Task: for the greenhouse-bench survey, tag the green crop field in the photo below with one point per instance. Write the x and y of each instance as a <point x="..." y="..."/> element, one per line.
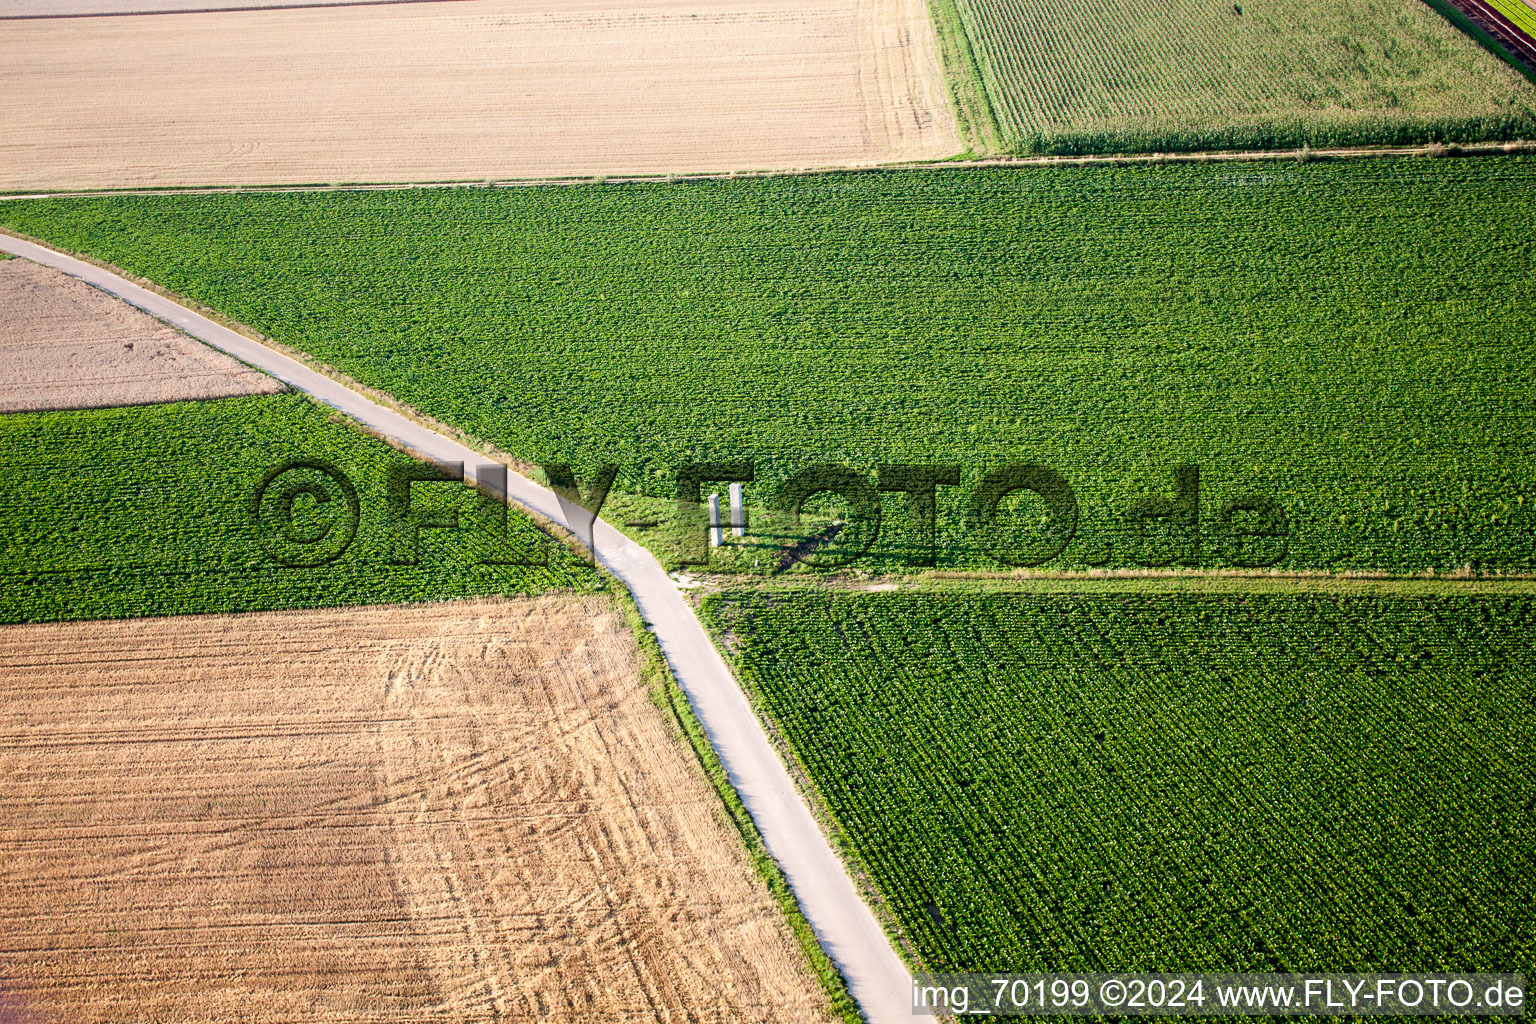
<point x="108" y="513"/>
<point x="1139" y="781"/>
<point x="1516" y="11"/>
<point x="1131" y="76"/>
<point x="1350" y="342"/>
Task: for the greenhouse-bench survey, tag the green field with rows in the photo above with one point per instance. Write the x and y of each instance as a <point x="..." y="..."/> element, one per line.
<point x="1139" y="781"/>
<point x="147" y="510"/>
<point x="1516" y="11"/>
<point x="1128" y="76"/>
<point x="1348" y="345"/>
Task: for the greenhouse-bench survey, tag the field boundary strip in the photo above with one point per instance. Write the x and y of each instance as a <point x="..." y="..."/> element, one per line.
<point x="1429" y="151"/>
<point x="1193" y="583"/>
<point x="844" y="924"/>
<point x="248" y="9"/>
<point x="975" y="115"/>
<point x="1512" y="29"/>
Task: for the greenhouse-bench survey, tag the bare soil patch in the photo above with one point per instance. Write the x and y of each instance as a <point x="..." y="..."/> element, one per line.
<point x="66" y="345"/>
<point x="469" y="91"/>
<point x="457" y="812"/>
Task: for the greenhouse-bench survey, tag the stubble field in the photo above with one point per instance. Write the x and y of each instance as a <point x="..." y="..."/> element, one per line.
<point x="459" y="812"/>
<point x="468" y="91"/>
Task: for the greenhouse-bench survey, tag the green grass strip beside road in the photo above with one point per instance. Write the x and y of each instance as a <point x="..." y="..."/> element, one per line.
<point x="673" y="702"/>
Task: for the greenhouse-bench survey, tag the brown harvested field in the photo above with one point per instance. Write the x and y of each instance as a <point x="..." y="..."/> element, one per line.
<point x="66" y="345"/>
<point x="468" y="91"/>
<point x="456" y="812"/>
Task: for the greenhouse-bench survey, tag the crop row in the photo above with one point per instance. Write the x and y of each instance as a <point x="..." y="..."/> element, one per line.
<point x="1130" y="76"/>
<point x="147" y="510"/>
<point x="1351" y="341"/>
<point x="1520" y="14"/>
<point x="1155" y="782"/>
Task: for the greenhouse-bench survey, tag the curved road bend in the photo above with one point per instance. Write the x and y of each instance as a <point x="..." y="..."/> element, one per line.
<point x="842" y="921"/>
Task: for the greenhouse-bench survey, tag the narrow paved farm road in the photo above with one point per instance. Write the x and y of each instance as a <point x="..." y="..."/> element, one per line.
<point x="842" y="921"/>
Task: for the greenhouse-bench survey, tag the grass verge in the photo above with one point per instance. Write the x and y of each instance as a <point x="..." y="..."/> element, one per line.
<point x="670" y="698"/>
<point x="967" y="90"/>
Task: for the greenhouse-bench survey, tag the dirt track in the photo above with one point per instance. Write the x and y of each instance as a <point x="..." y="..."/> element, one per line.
<point x="469" y="91"/>
<point x="65" y="345"/>
<point x="462" y="812"/>
<point x="844" y="924"/>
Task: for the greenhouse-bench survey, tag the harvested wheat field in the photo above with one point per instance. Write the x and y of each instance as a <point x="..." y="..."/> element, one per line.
<point x="456" y="812"/>
<point x="66" y="345"/>
<point x="469" y="90"/>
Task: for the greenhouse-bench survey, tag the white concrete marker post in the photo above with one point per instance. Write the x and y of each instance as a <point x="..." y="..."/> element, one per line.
<point x="738" y="512"/>
<point x="716" y="535"/>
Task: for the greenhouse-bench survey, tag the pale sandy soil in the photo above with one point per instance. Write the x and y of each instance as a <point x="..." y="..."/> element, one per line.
<point x="469" y="91"/>
<point x="459" y="812"/>
<point x="65" y="345"/>
<point x="75" y="8"/>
